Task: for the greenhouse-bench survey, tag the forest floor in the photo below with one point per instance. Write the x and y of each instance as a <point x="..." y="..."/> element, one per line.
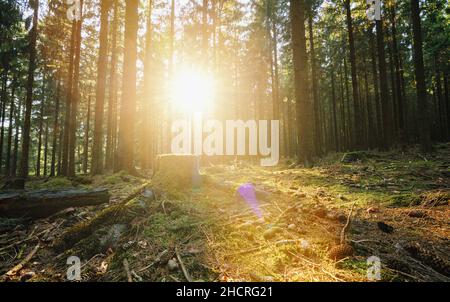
<point x="401" y="214"/>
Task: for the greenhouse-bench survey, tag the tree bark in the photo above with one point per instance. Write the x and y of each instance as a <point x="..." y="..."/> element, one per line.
<point x="55" y="128"/>
<point x="86" y="139"/>
<point x="97" y="148"/>
<point x="75" y="97"/>
<point x="303" y="104"/>
<point x="65" y="141"/>
<point x="112" y="101"/>
<point x="128" y="106"/>
<point x="384" y="93"/>
<point x="29" y="97"/>
<point x="423" y="121"/>
<point x="356" y="136"/>
<point x="317" y="132"/>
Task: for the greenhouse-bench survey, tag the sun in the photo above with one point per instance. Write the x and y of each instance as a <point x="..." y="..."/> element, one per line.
<point x="191" y="91"/>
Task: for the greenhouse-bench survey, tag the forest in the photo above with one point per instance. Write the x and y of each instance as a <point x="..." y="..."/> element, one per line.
<point x="337" y="168"/>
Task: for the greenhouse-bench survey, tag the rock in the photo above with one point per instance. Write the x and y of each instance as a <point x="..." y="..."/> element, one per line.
<point x="172" y="265"/>
<point x="385" y="227"/>
<point x="148" y="194"/>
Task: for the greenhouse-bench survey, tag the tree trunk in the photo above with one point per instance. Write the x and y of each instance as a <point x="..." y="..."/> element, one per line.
<point x="45" y="147"/>
<point x="384" y="93"/>
<point x="16" y="140"/>
<point x="10" y="129"/>
<point x="86" y="139"/>
<point x="41" y="127"/>
<point x="55" y="128"/>
<point x="75" y="96"/>
<point x="29" y="98"/>
<point x="97" y="148"/>
<point x="128" y="106"/>
<point x="423" y="122"/>
<point x="317" y="133"/>
<point x="333" y="100"/>
<point x="398" y="72"/>
<point x="3" y="114"/>
<point x="303" y="104"/>
<point x="147" y="110"/>
<point x="65" y="142"/>
<point x="356" y="136"/>
<point x="112" y="101"/>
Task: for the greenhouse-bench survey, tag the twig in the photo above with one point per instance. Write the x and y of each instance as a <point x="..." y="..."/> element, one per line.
<point x="183" y="268"/>
<point x="157" y="260"/>
<point x="22" y="263"/>
<point x="136" y="276"/>
<point x="347" y="224"/>
<point x="126" y="266"/>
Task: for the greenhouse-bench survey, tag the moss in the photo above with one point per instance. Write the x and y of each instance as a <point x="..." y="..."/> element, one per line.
<point x="54" y="183"/>
<point x="404" y="200"/>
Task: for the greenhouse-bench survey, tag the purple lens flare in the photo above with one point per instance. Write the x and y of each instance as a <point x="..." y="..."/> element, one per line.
<point x="248" y="193"/>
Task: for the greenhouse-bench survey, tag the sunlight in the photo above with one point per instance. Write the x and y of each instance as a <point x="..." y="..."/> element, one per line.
<point x="191" y="91"/>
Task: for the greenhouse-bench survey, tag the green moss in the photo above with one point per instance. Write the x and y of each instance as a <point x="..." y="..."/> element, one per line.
<point x="54" y="183"/>
<point x="404" y="200"/>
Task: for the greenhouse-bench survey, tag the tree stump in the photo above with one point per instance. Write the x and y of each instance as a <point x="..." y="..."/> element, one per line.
<point x="177" y="171"/>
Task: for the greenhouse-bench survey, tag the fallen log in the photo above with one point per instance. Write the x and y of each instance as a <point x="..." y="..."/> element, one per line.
<point x="43" y="203"/>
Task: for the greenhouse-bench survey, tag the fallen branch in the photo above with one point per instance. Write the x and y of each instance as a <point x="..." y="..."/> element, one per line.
<point x="126" y="266"/>
<point x="22" y="263"/>
<point x="183" y="268"/>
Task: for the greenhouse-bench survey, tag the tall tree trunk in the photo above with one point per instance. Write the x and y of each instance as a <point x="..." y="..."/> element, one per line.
<point x="97" y="148"/>
<point x="112" y="101"/>
<point x="55" y="128"/>
<point x="168" y="107"/>
<point x="379" y="123"/>
<point x="45" y="146"/>
<point x="317" y="134"/>
<point x="303" y="104"/>
<point x="64" y="149"/>
<point x="10" y="129"/>
<point x="29" y="98"/>
<point x="333" y="101"/>
<point x="349" y="128"/>
<point x="128" y="106"/>
<point x="41" y="127"/>
<point x="3" y="115"/>
<point x="16" y="139"/>
<point x="384" y="93"/>
<point x="423" y="121"/>
<point x="86" y="139"/>
<point x="356" y="137"/>
<point x="398" y="72"/>
<point x="442" y="106"/>
<point x="147" y="110"/>
<point x="75" y="97"/>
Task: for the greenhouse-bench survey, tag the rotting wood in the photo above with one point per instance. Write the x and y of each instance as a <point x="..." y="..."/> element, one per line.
<point x="43" y="203"/>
